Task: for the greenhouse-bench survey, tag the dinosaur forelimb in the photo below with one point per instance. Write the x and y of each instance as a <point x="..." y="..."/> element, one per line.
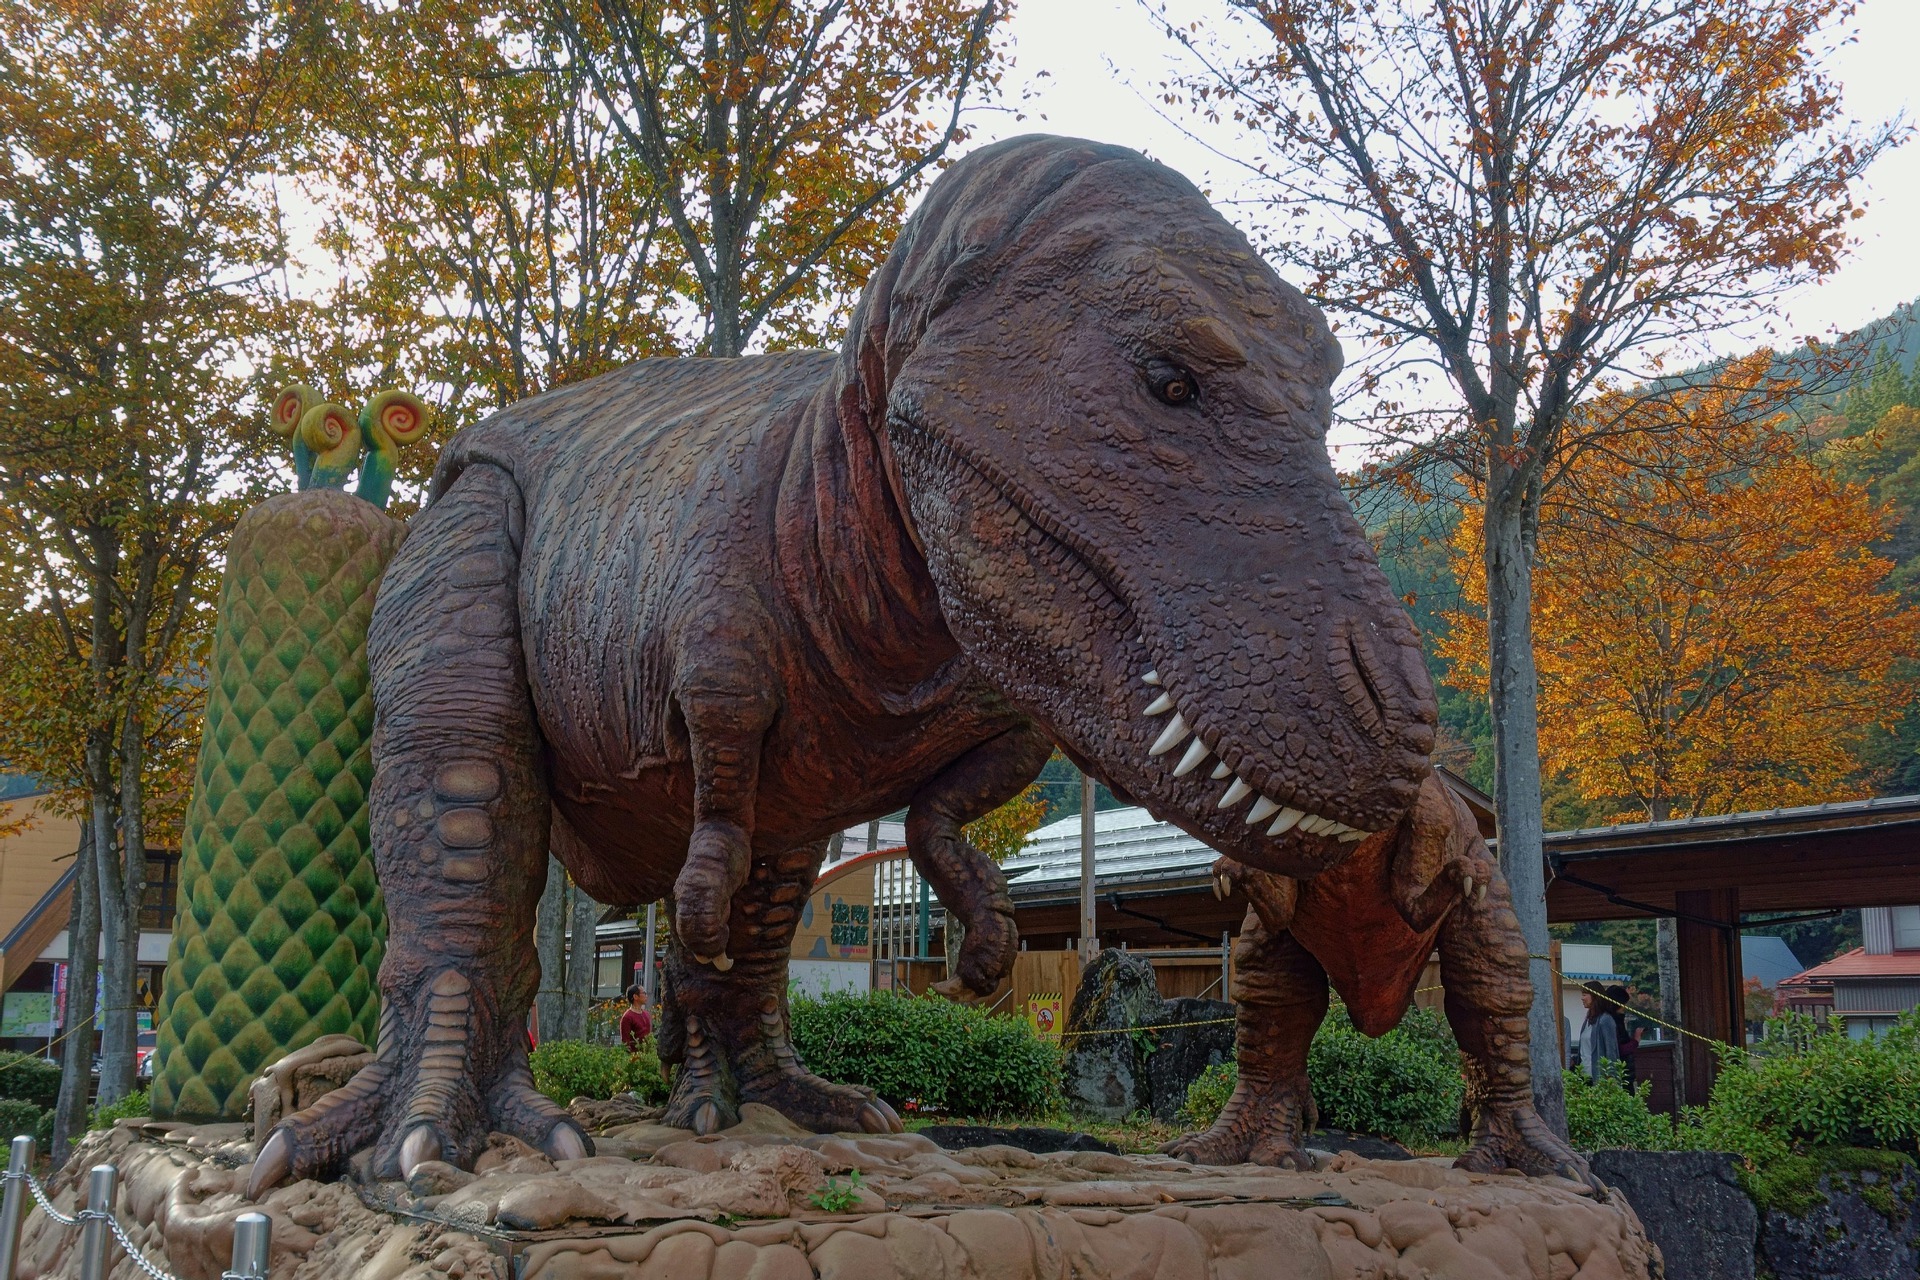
<point x="728" y="1032"/>
<point x="967" y="882"/>
<point x="1281" y="993"/>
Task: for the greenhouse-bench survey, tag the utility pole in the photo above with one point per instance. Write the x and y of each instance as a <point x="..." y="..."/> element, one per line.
<point x="646" y="967"/>
<point x="1089" y="942"/>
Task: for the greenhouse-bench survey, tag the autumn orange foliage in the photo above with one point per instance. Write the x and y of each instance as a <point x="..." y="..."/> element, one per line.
<point x="1712" y="627"/>
<point x="1004" y="832"/>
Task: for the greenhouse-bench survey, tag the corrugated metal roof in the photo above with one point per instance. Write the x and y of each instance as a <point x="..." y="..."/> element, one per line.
<point x="1750" y="823"/>
<point x="1129" y="847"/>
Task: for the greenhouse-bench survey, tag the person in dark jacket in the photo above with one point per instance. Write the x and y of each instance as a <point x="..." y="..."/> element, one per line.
<point x="1600" y="1033"/>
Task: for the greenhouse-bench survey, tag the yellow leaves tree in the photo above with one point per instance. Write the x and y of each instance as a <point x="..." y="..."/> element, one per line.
<point x="1519" y="205"/>
<point x="1713" y="629"/>
<point x="137" y="237"/>
<point x="493" y="236"/>
<point x="783" y="137"/>
<point x="1004" y="832"/>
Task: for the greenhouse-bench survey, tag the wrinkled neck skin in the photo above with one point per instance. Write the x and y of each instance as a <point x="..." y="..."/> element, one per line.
<point x="848" y="566"/>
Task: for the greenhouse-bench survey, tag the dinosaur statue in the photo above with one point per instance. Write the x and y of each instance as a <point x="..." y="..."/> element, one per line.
<point x="1066" y="481"/>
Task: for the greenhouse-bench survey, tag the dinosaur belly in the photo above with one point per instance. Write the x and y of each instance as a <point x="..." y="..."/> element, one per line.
<point x="1346" y="918"/>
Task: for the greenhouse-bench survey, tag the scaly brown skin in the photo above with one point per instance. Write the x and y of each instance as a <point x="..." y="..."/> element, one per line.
<point x="1433" y="872"/>
<point x="1066" y="481"/>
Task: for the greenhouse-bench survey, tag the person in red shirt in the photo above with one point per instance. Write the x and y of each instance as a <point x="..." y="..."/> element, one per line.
<point x="636" y="1024"/>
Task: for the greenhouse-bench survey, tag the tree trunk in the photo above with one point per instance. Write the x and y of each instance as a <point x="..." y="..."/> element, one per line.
<point x="550" y="940"/>
<point x="583" y="963"/>
<point x="83" y="946"/>
<point x="1666" y="949"/>
<point x="119" y="1052"/>
<point x="1514" y="692"/>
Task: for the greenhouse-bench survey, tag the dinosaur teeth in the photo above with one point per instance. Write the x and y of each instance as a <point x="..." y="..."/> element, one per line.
<point x="1349" y="837"/>
<point x="1221" y="772"/>
<point x="1152" y="677"/>
<point x="1238" y="791"/>
<point x="1159" y="706"/>
<point x="1260" y="811"/>
<point x="1197" y="751"/>
<point x="1288" y="819"/>
<point x="1172" y="736"/>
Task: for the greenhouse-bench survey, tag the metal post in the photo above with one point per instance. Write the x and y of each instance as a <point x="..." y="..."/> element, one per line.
<point x="923" y="928"/>
<point x="646" y="971"/>
<point x="13" y="1205"/>
<point x="252" y="1241"/>
<point x="1226" y="941"/>
<point x="96" y="1234"/>
<point x="1089" y="939"/>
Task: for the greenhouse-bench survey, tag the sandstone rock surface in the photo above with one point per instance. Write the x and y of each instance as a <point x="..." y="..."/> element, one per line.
<point x="753" y="1203"/>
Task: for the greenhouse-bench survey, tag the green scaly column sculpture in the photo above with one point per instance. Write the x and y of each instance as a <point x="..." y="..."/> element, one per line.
<point x="279" y="930"/>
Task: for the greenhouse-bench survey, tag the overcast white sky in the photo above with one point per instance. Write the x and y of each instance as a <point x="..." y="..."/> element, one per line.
<point x="1100" y="56"/>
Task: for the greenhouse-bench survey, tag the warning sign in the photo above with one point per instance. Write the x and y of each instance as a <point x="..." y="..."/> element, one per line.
<point x="1045" y="1013"/>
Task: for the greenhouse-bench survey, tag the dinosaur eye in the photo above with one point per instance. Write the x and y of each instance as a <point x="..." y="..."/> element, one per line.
<point x="1170" y="383"/>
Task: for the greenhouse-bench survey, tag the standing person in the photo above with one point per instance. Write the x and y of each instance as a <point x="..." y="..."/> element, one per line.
<point x="636" y="1024"/>
<point x="1629" y="1045"/>
<point x="1600" y="1033"/>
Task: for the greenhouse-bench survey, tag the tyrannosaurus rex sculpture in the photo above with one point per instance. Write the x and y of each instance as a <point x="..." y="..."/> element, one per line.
<point x="1065" y="482"/>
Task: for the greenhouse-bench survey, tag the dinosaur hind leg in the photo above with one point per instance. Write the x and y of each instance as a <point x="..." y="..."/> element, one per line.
<point x="728" y="1032"/>
<point x="1281" y="992"/>
<point x="459" y="824"/>
<point x="1483" y="963"/>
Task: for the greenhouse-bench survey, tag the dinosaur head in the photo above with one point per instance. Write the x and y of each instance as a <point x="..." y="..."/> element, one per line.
<point x="1106" y="420"/>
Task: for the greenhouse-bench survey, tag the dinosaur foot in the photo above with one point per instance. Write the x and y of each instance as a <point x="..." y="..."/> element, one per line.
<point x="1513" y="1139"/>
<point x="421" y="1099"/>
<point x="1259" y="1125"/>
<point x="716" y="1078"/>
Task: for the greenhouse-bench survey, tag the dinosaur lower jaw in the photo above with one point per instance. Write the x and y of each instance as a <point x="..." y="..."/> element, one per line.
<point x="1281" y="816"/>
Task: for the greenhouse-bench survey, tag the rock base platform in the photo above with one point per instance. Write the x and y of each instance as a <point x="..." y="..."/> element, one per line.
<point x="765" y="1202"/>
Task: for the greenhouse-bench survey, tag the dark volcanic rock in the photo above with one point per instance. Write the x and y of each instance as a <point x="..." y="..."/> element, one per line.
<point x="1691" y="1206"/>
<point x="1039" y="1141"/>
<point x="1187" y="1051"/>
<point x="1106" y="1072"/>
<point x="1358" y="1144"/>
<point x="1846" y="1238"/>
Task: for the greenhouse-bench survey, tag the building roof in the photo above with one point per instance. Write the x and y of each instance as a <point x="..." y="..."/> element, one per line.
<point x="1131" y="848"/>
<point x="1858" y="964"/>
<point x="1767" y="958"/>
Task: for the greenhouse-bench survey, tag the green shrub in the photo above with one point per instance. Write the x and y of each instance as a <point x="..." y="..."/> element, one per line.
<point x="1811" y="1101"/>
<point x="569" y="1069"/>
<point x="1207" y="1095"/>
<point x="19" y="1117"/>
<point x="1607" y="1115"/>
<point x="29" y="1078"/>
<point x="932" y="1053"/>
<point x="133" y="1104"/>
<point x="1405" y="1085"/>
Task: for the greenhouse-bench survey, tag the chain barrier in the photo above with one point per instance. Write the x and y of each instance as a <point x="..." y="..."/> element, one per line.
<point x="99" y="1228"/>
<point x="46" y="1205"/>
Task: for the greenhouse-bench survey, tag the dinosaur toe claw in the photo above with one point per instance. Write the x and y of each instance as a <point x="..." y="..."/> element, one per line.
<point x="565" y="1143"/>
<point x="422" y="1145"/>
<point x="706" y="1118"/>
<point x="271" y="1166"/>
<point x="878" y="1117"/>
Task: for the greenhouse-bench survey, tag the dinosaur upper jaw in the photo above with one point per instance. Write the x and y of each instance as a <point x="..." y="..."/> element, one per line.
<point x="1279" y="735"/>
